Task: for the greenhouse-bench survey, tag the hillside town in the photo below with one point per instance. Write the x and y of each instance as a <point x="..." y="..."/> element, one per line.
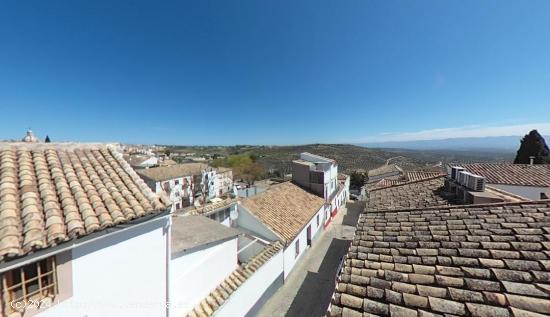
<point x="84" y="223"/>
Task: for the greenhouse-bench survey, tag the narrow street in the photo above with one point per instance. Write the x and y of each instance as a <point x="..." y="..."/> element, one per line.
<point x="309" y="287"/>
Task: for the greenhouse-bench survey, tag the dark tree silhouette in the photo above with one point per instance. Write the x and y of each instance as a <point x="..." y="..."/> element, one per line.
<point x="533" y="144"/>
<point x="47" y="139"/>
<point x="357" y="180"/>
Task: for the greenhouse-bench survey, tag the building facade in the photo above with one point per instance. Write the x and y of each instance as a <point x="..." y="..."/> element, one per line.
<point x="320" y="175"/>
<point x="72" y="217"/>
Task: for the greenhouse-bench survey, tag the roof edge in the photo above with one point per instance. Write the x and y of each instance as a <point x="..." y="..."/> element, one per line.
<point x="447" y="207"/>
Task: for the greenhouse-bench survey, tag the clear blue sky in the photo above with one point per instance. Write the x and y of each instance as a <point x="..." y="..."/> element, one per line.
<point x="269" y="72"/>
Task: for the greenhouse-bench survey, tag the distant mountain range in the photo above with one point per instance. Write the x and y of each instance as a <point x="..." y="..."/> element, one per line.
<point x="500" y="143"/>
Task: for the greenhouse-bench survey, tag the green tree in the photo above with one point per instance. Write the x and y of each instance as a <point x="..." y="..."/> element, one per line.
<point x="533" y="144"/>
<point x="357" y="180"/>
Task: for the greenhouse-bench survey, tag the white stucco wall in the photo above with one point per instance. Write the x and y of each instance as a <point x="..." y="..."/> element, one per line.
<point x="248" y="221"/>
<point x="531" y="192"/>
<point x="289" y="253"/>
<point x="184" y="196"/>
<point x="194" y="274"/>
<point x="120" y="275"/>
<point x="244" y="298"/>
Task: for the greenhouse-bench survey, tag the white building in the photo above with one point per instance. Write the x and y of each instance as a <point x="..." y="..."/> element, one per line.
<point x="223" y="211"/>
<point x="182" y="183"/>
<point x="216" y="269"/>
<point x="203" y="254"/>
<point x="72" y="217"/>
<point x="525" y="180"/>
<point x="320" y="175"/>
<point x="224" y="181"/>
<point x="287" y="213"/>
<point x="82" y="235"/>
<point x="189" y="183"/>
<point x="141" y="161"/>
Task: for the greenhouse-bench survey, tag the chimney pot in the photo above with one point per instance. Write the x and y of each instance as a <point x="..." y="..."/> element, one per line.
<point x="531" y="160"/>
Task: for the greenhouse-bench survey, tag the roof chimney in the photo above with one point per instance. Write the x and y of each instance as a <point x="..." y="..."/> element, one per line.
<point x="531" y="160"/>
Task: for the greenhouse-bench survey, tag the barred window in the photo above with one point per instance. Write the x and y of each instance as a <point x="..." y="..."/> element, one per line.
<point x="32" y="282"/>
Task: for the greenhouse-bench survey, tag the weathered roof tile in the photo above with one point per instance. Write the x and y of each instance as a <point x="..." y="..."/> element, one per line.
<point x="53" y="192"/>
<point x="479" y="271"/>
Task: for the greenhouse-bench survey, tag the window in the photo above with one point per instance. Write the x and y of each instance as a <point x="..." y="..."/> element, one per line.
<point x="297" y="248"/>
<point x="177" y="206"/>
<point x="317" y="220"/>
<point x="176" y="182"/>
<point x="30" y="283"/>
<point x="316" y="177"/>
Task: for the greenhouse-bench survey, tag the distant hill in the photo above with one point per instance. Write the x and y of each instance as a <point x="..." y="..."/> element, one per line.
<point x="352" y="157"/>
<point x="500" y="143"/>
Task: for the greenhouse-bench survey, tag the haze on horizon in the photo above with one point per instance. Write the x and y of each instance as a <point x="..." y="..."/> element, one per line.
<point x="280" y="72"/>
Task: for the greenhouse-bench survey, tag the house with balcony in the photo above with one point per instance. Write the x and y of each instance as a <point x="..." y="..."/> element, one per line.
<point x="188" y="184"/>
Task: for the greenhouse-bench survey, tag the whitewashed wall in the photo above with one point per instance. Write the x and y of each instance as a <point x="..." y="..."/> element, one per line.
<point x="531" y="192"/>
<point x="120" y="275"/>
<point x="289" y="253"/>
<point x="248" y="221"/>
<point x="194" y="274"/>
<point x="244" y="298"/>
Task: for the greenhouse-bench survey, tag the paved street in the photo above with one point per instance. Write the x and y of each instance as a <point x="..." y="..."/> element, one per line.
<point x="308" y="289"/>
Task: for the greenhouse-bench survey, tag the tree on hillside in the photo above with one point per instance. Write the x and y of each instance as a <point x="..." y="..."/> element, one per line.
<point x="249" y="172"/>
<point x="47" y="140"/>
<point x="357" y="180"/>
<point x="533" y="144"/>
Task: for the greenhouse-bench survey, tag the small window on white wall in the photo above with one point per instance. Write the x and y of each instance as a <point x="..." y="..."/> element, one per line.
<point x="297" y="248"/>
<point x="317" y="220"/>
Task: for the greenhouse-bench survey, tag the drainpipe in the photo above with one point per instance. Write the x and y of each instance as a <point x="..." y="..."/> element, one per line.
<point x="531" y="160"/>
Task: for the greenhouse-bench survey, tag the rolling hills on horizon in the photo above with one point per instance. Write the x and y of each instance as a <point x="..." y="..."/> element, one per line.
<point x="499" y="143"/>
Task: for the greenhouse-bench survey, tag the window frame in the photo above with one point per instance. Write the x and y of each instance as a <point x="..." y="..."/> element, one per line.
<point x="35" y="298"/>
<point x="296" y="248"/>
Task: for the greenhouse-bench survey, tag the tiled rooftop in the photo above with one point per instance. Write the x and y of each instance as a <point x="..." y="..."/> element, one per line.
<point x="476" y="260"/>
<point x="418" y="194"/>
<point x="50" y="193"/>
<point x="412" y="176"/>
<point x="173" y="171"/>
<point x="209" y="207"/>
<point x="209" y="305"/>
<point x="385" y="169"/>
<point x="285" y="208"/>
<point x="387" y="182"/>
<point x="512" y="174"/>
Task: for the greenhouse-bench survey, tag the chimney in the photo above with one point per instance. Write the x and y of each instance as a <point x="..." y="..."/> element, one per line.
<point x="531" y="160"/>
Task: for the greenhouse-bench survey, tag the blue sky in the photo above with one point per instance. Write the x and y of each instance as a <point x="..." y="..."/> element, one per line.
<point x="272" y="72"/>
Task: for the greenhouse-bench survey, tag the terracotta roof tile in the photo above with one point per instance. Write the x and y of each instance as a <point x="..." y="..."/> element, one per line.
<point x="172" y="171"/>
<point x="412" y="176"/>
<point x="285" y="208"/>
<point x="414" y="262"/>
<point x="52" y="193"/>
<point x="209" y="305"/>
<point x="423" y="193"/>
<point x="512" y="174"/>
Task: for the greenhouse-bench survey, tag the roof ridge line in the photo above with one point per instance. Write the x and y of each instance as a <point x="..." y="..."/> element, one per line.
<point x="532" y="202"/>
<point x="407" y="183"/>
